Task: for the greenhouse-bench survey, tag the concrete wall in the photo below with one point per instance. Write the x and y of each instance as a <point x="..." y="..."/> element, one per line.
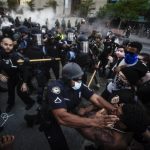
<point x="61" y="10"/>
<point x="22" y="2"/>
<point x="40" y="3"/>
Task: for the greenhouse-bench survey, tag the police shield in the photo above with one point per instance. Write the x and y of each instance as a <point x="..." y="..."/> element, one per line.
<point x="70" y="36"/>
<point x="85" y="46"/>
<point x="38" y="39"/>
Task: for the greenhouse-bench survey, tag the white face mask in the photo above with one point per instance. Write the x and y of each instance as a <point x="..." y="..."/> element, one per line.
<point x="77" y="85"/>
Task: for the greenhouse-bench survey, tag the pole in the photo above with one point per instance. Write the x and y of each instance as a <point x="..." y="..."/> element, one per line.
<point x="93" y="75"/>
<point x="39" y="60"/>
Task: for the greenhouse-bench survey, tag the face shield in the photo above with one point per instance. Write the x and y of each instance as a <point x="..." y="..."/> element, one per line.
<point x="43" y="30"/>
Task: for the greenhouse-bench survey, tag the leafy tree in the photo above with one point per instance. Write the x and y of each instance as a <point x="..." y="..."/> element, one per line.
<point x="85" y="7"/>
<point x="124" y="9"/>
<point x="12" y="4"/>
<point x="147" y="12"/>
<point x="52" y="3"/>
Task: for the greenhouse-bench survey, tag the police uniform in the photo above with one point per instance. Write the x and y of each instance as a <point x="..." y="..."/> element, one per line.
<point x="60" y="95"/>
<point x="53" y="51"/>
<point x="16" y="76"/>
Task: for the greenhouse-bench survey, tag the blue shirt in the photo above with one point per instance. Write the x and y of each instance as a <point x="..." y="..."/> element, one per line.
<point x="61" y="95"/>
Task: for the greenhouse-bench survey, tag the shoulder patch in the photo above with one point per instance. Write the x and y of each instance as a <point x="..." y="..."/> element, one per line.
<point x="57" y="100"/>
<point x="56" y="90"/>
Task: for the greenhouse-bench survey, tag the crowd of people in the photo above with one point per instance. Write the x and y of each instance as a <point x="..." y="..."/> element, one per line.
<point x="113" y="119"/>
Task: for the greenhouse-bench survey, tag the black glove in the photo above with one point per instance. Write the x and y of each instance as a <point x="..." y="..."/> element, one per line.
<point x="26" y="61"/>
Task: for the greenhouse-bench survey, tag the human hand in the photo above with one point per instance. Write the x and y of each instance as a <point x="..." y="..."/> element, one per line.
<point x="3" y="78"/>
<point x="102" y="121"/>
<point x="6" y="142"/>
<point x="24" y="87"/>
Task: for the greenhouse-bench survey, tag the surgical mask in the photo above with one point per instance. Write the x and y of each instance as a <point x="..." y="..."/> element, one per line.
<point x="77" y="85"/>
<point x="131" y="58"/>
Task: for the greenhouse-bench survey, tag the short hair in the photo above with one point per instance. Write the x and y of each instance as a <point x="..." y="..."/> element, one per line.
<point x="6" y="38"/>
<point x="137" y="45"/>
<point x="135" y="118"/>
<point x="121" y="46"/>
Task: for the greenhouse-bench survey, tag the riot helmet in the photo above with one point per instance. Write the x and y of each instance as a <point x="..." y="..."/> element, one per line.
<point x="71" y="71"/>
<point x="23" y="29"/>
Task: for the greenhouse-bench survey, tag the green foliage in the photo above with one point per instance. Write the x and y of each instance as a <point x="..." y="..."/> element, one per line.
<point x="124" y="9"/>
<point x="147" y="12"/>
<point x="85" y="7"/>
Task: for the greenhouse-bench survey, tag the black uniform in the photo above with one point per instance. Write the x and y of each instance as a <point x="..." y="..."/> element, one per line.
<point x="16" y="76"/>
<point x="61" y="95"/>
<point x="39" y="70"/>
<point x="53" y="51"/>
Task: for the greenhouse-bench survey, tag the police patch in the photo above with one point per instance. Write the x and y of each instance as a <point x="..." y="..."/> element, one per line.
<point x="56" y="90"/>
<point x="57" y="100"/>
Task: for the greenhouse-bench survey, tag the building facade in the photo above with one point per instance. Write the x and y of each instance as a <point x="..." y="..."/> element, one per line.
<point x="23" y="2"/>
<point x="66" y="7"/>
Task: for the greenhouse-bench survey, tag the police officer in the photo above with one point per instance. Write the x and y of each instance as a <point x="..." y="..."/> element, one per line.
<point x="14" y="74"/>
<point x="35" y="49"/>
<point x="63" y="96"/>
<point x="53" y="47"/>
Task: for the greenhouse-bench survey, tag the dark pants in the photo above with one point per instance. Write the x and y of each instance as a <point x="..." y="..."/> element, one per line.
<point x="55" y="67"/>
<point x="41" y="77"/>
<point x="55" y="136"/>
<point x="12" y="84"/>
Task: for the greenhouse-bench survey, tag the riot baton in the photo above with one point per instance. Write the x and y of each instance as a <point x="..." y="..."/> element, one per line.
<point x="93" y="75"/>
<point x="39" y="60"/>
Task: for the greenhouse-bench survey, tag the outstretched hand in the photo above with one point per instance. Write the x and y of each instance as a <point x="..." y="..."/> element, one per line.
<point x="105" y="120"/>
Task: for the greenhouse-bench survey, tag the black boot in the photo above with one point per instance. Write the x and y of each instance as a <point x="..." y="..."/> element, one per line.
<point x="2" y="89"/>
